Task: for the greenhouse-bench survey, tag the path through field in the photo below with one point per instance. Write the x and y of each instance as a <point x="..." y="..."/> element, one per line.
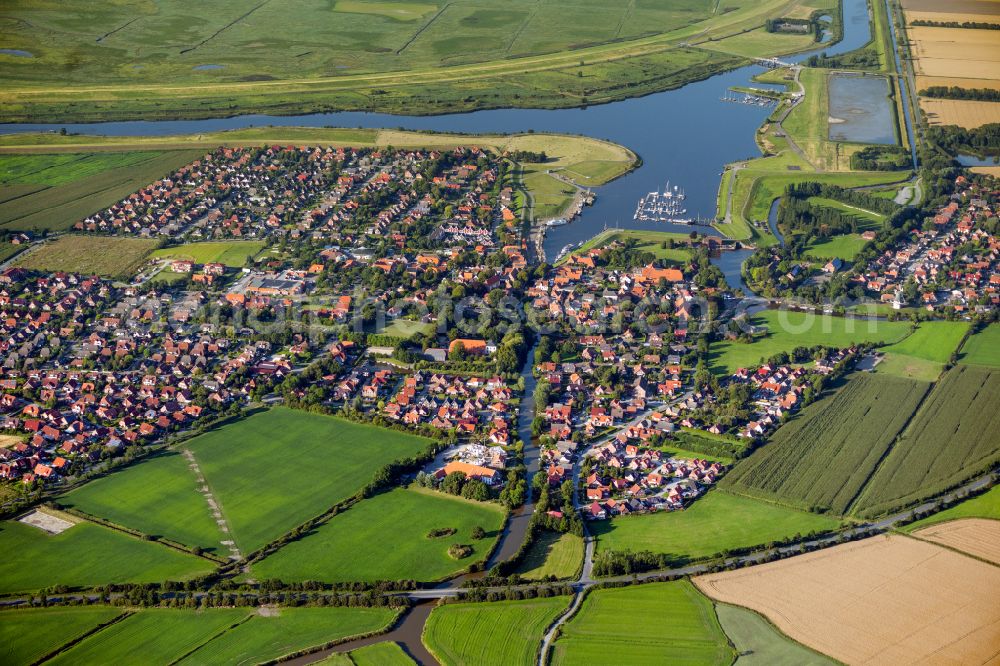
<point x="213" y="504"/>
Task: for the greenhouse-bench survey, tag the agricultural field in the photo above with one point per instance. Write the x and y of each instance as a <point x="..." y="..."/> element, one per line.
<point x="231" y="253"/>
<point x="490" y="634"/>
<point x="658" y="623"/>
<point x="28" y="635"/>
<point x="986" y="505"/>
<point x="86" y="555"/>
<point x="982" y="348"/>
<point x="932" y="341"/>
<point x="717" y="522"/>
<point x="823" y="458"/>
<point x="963" y="410"/>
<point x="329" y="553"/>
<point x="90" y="255"/>
<point x="864" y="602"/>
<point x="979" y="537"/>
<point x="158" y="496"/>
<point x="255" y="471"/>
<point x="909" y="367"/>
<point x="760" y="643"/>
<point x="158" y="60"/>
<point x="272" y="633"/>
<point x="60" y="206"/>
<point x="54" y="169"/>
<point x="788" y="330"/>
<point x="386" y="653"/>
<point x="553" y="554"/>
<point x="964" y="113"/>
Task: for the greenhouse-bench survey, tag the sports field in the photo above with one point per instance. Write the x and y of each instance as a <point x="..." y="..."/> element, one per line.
<point x="394" y="529"/>
<point x="231" y="253"/>
<point x="158" y="496"/>
<point x="490" y="634"/>
<point x="90" y="255"/>
<point x="670" y="623"/>
<point x="28" y="635"/>
<point x="788" y="330"/>
<point x="717" y="522"/>
<point x="887" y="600"/>
<point x="983" y="347"/>
<point x="823" y="458"/>
<point x="553" y="554"/>
<point x="276" y="469"/>
<point x="760" y="643"/>
<point x="86" y="555"/>
<point x="60" y="191"/>
<point x="963" y="409"/>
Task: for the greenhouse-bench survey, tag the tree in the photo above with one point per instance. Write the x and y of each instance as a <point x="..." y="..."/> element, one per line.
<point x="453" y="483"/>
<point x="475" y="489"/>
<point x="478" y="533"/>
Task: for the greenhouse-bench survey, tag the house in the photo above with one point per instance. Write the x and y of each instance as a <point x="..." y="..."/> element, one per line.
<point x="488" y="476"/>
<point x="471" y="346"/>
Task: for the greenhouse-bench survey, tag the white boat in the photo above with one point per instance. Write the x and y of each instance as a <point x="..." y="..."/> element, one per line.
<point x="558" y="222"/>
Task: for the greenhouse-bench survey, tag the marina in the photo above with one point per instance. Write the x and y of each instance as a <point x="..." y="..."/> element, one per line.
<point x="747" y="98"/>
<point x="665" y="206"/>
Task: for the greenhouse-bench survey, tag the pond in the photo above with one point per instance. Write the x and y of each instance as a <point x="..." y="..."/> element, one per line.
<point x="861" y="109"/>
<point x="208" y="67"/>
<point x="17" y="52"/>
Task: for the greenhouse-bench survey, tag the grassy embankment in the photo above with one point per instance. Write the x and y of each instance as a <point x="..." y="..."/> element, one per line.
<point x="429" y="57"/>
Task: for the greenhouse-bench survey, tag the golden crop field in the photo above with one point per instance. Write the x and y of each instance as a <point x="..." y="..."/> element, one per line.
<point x="965" y="113"/>
<point x="924" y="82"/>
<point x="883" y="600"/>
<point x="976" y="536"/>
<point x="939" y="8"/>
<point x="957" y="52"/>
<point x="987" y="170"/>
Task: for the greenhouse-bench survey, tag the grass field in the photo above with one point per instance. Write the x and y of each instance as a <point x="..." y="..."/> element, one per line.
<point x="887" y="599"/>
<point x="408" y="515"/>
<point x="86" y="555"/>
<point x="490" y="634"/>
<point x="986" y="505"/>
<point x="932" y="341"/>
<point x="59" y="207"/>
<point x="8" y="250"/>
<point x="909" y="367"/>
<point x="285" y="630"/>
<point x="158" y="496"/>
<point x="231" y="253"/>
<point x="963" y="410"/>
<point x="133" y="58"/>
<point x="386" y="653"/>
<point x="404" y="328"/>
<point x="257" y="468"/>
<point x="90" y="255"/>
<point x="867" y="219"/>
<point x="61" y="168"/>
<point x="645" y="241"/>
<point x="983" y="348"/>
<point x="28" y="635"/>
<point x="823" y="458"/>
<point x="718" y="521"/>
<point x="153" y="636"/>
<point x="788" y="330"/>
<point x="845" y="246"/>
<point x="673" y="624"/>
<point x="553" y="554"/>
<point x="760" y="643"/>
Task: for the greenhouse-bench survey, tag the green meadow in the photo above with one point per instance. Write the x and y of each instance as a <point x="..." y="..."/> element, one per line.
<point x="553" y="554"/>
<point x="394" y="529"/>
<point x="86" y="555"/>
<point x="983" y="348"/>
<point x="490" y="634"/>
<point x="760" y="643"/>
<point x="658" y="623"/>
<point x="716" y="522"/>
<point x="28" y="635"/>
<point x="231" y="253"/>
<point x="386" y="653"/>
<point x="984" y="505"/>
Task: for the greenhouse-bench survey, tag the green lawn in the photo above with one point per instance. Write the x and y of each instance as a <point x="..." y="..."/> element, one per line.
<point x="760" y="643"/>
<point x="276" y="469"/>
<point x="159" y="496"/>
<point x="553" y="554"/>
<point x="788" y="330"/>
<point x="404" y="328"/>
<point x="910" y="367"/>
<point x="932" y="341"/>
<point x="845" y="246"/>
<point x="386" y="653"/>
<point x="28" y="635"/>
<point x="490" y="634"/>
<point x="658" y="623"/>
<point x="716" y="522"/>
<point x="392" y="528"/>
<point x="89" y="255"/>
<point x="155" y="636"/>
<point x="60" y="168"/>
<point x="985" y="505"/>
<point x="230" y="253"/>
<point x="266" y="637"/>
<point x="86" y="555"/>
<point x="983" y="348"/>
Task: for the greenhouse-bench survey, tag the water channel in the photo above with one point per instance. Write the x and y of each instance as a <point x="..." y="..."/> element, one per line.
<point x="685" y="136"/>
